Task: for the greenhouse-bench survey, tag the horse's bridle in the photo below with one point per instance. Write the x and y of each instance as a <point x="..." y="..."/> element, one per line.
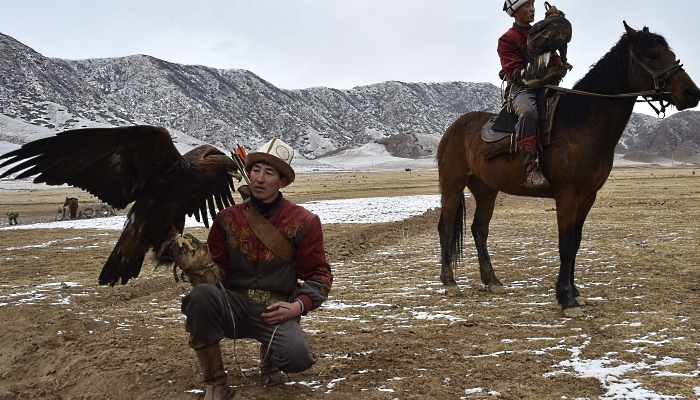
<point x="660" y="78"/>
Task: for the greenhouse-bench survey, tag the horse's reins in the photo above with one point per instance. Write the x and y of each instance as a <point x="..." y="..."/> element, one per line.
<point x="659" y="77"/>
<point x="209" y="267"/>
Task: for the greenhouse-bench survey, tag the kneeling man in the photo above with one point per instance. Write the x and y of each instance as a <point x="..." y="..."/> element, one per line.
<point x="263" y="248"/>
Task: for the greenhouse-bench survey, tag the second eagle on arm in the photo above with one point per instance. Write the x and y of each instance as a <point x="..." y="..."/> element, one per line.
<point x="545" y="38"/>
<point x="138" y="164"/>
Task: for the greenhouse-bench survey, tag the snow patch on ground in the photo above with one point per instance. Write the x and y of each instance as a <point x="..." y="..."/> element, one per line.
<point x="348" y="211"/>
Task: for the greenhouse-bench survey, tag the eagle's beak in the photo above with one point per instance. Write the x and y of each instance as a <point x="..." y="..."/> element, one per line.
<point x="236" y="175"/>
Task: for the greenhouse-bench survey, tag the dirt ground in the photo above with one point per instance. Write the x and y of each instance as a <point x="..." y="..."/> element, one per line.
<point x="387" y="331"/>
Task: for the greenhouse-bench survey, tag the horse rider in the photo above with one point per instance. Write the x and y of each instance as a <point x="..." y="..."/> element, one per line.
<point x="512" y="49"/>
<point x="263" y="247"/>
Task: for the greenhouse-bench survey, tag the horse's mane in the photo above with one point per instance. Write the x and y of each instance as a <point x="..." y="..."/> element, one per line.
<point x="607" y="76"/>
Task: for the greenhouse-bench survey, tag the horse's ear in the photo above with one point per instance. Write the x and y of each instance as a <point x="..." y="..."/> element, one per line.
<point x="631" y="33"/>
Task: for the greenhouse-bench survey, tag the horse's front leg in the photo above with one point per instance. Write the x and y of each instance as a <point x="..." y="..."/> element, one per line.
<point x="567" y="207"/>
<point x="485" y="198"/>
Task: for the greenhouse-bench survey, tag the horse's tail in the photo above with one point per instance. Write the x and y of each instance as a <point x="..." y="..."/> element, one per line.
<point x="451" y="244"/>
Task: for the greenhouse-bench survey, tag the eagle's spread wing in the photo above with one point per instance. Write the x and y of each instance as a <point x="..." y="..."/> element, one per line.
<point x="214" y="176"/>
<point x="114" y="164"/>
<point x="137" y="164"/>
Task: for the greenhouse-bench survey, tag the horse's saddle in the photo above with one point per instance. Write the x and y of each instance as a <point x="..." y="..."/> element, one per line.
<point x="503" y="124"/>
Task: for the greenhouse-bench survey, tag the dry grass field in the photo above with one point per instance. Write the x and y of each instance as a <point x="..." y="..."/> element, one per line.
<point x="387" y="331"/>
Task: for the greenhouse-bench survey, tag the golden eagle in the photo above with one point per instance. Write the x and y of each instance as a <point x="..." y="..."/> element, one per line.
<point x="545" y="38"/>
<point x="138" y="164"/>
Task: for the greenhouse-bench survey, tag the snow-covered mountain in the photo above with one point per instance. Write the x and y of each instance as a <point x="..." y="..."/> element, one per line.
<point x="222" y="106"/>
<point x="40" y="96"/>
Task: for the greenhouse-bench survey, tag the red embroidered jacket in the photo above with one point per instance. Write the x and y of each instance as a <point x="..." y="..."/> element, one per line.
<point x="512" y="49"/>
<point x="247" y="263"/>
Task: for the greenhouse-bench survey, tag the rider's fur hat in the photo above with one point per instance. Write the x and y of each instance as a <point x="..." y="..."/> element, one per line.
<point x="276" y="153"/>
<point x="511" y="5"/>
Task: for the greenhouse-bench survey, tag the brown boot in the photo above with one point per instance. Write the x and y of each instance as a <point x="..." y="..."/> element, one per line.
<point x="270" y="375"/>
<point x="212" y="365"/>
<point x="528" y="153"/>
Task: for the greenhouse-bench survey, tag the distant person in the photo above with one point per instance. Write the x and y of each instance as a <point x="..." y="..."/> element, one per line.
<point x="512" y="50"/>
<point x="262" y="247"/>
<point x="12" y="217"/>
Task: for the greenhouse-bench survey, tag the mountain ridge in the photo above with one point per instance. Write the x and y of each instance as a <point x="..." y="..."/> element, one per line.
<point x="235" y="106"/>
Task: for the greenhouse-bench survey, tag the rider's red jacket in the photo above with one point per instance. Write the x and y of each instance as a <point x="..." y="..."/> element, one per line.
<point x="512" y="49"/>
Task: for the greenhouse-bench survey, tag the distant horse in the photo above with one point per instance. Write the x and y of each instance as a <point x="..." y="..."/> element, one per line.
<point x="72" y="204"/>
<point x="577" y="162"/>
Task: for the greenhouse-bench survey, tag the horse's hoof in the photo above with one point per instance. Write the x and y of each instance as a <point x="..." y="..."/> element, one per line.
<point x="573" y="312"/>
<point x="453" y="291"/>
<point x="580" y="300"/>
<point x="497" y="289"/>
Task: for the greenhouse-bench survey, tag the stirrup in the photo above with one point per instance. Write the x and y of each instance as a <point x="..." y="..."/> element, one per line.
<point x="535" y="180"/>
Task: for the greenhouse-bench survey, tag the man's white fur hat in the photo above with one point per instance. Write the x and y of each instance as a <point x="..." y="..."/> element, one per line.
<point x="511" y="5"/>
<point x="276" y="153"/>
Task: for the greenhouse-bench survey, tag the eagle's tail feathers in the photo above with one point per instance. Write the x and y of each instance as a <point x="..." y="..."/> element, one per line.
<point x="120" y="267"/>
<point x="541" y="64"/>
<point x="537" y="69"/>
<point x="562" y="53"/>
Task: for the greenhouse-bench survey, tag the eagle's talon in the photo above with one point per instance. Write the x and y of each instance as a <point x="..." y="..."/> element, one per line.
<point x="183" y="241"/>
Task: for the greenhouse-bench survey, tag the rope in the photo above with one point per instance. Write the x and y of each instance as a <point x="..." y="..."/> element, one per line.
<point x="659" y="78"/>
<point x="210" y="267"/>
<point x="583" y="93"/>
<point x="644" y="94"/>
<point x="229" y="307"/>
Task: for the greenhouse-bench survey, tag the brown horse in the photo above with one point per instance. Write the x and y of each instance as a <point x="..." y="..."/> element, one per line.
<point x="72" y="204"/>
<point x="576" y="163"/>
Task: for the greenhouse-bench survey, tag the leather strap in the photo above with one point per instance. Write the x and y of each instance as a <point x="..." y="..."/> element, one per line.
<point x="269" y="235"/>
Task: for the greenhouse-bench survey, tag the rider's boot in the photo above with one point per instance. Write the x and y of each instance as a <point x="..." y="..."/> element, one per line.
<point x="528" y="152"/>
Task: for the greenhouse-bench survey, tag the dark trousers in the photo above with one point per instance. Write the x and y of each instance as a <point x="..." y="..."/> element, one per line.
<point x="210" y="319"/>
<point x="525" y="106"/>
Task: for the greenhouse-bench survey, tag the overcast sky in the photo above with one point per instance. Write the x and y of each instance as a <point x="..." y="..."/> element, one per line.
<point x="296" y="44"/>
